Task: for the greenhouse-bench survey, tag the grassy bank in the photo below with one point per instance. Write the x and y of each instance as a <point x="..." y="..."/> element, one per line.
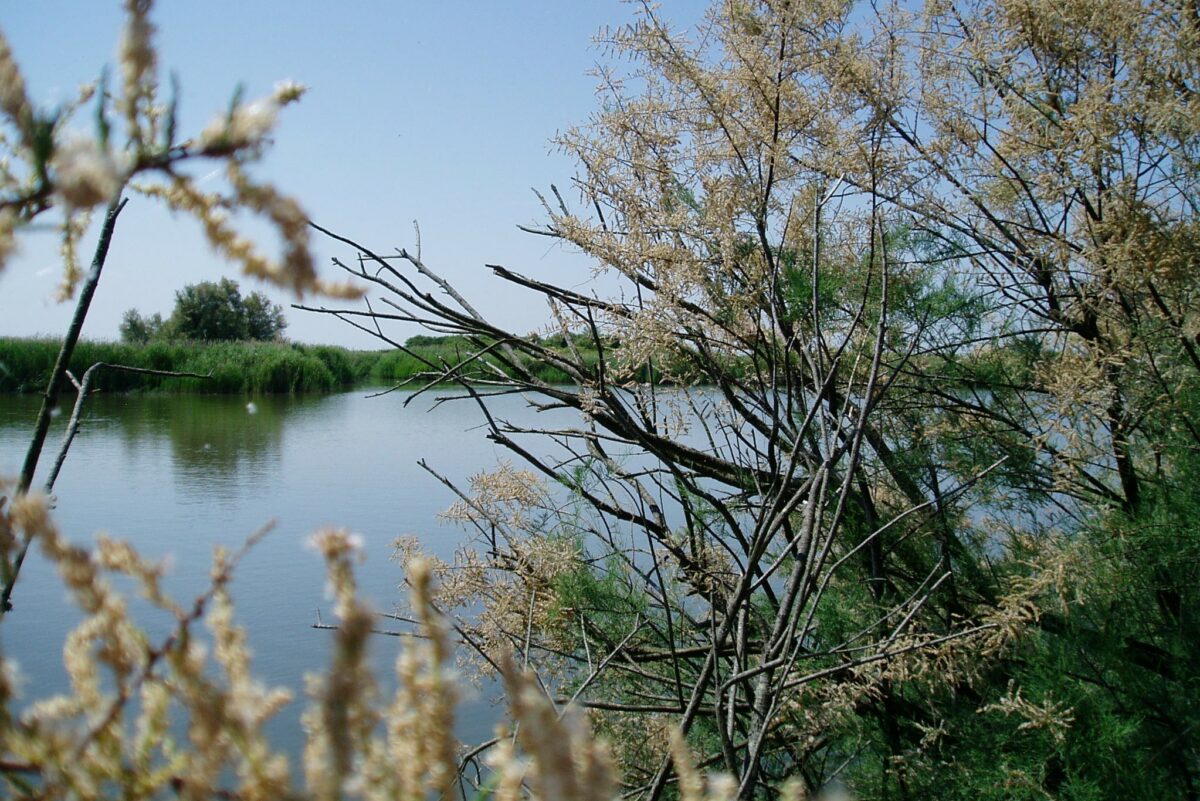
<point x="235" y="367"/>
<point x="396" y="365"/>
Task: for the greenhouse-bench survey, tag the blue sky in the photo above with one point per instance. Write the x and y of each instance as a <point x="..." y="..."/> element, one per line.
<point x="440" y="112"/>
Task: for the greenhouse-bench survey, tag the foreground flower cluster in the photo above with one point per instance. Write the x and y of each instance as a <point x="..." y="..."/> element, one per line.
<point x="46" y="162"/>
<point x="115" y="733"/>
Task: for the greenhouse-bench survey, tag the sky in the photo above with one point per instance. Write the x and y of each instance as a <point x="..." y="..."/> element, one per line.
<point x="438" y="112"/>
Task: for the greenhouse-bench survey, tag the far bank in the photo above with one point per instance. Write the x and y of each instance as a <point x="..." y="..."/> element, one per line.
<point x="247" y="367"/>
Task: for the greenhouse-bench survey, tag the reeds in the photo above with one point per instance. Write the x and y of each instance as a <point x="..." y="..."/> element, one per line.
<point x="232" y="367"/>
<point x="264" y="367"/>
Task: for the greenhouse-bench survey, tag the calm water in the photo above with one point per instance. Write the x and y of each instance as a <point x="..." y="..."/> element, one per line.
<point x="177" y="476"/>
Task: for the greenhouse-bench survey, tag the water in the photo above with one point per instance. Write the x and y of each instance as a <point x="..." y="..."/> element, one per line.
<point x="179" y="475"/>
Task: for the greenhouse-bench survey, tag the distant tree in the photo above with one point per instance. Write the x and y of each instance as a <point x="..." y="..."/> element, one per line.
<point x="138" y="329"/>
<point x="216" y="311"/>
<point x="264" y="319"/>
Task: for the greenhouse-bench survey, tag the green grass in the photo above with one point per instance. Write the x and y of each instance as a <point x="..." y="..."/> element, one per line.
<point x="251" y="367"/>
<point x="233" y="367"/>
<point x="393" y="366"/>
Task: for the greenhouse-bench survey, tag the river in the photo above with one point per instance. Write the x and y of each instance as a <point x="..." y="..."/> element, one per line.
<point x="179" y="475"/>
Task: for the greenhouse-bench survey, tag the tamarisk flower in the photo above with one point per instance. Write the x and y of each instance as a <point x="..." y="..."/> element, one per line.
<point x="86" y="173"/>
<point x="249" y="123"/>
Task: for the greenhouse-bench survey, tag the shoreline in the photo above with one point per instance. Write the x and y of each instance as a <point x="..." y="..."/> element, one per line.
<point x="236" y="367"/>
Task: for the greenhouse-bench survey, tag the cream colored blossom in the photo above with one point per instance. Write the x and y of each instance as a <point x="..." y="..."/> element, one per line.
<point x="509" y="769"/>
<point x="137" y="58"/>
<point x="567" y="761"/>
<point x="288" y="91"/>
<point x="73" y="228"/>
<point x="13" y="101"/>
<point x="1051" y="716"/>
<point x="86" y="173"/>
<point x="8" y="239"/>
<point x="249" y="123"/>
<point x="336" y="543"/>
<point x="246" y="125"/>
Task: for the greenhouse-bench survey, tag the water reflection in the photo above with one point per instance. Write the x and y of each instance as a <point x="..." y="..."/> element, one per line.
<point x="221" y="445"/>
<point x="178" y="475"/>
<point x="217" y="444"/>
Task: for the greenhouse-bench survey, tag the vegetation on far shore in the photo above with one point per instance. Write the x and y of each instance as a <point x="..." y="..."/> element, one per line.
<point x="237" y="367"/>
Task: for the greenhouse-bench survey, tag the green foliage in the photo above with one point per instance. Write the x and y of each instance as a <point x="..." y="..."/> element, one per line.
<point x="425" y="356"/>
<point x="263" y="319"/>
<point x="428" y="340"/>
<point x="139" y="330"/>
<point x="346" y="367"/>
<point x="395" y="366"/>
<point x="600" y="592"/>
<point x="209" y="312"/>
<point x="1100" y="700"/>
<point x="245" y="366"/>
<point x="233" y="367"/>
